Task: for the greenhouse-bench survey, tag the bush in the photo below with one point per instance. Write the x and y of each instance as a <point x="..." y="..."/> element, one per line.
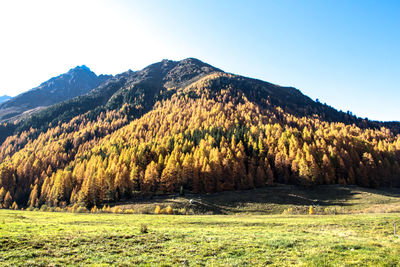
<point x="157" y="210"/>
<point x="30" y="208"/>
<point x="73" y="208"/>
<point x="169" y="210"/>
<point x="14" y="206"/>
<point x="311" y="210"/>
<point x="58" y="209"/>
<point x="333" y="210"/>
<point x="182" y="211"/>
<point x="190" y="212"/>
<point x="143" y="228"/>
<point x="81" y="210"/>
<point x="44" y="208"/>
<point x="94" y="209"/>
<point x="116" y="210"/>
<point x="106" y="209"/>
<point x="288" y="211"/>
<point x="129" y="211"/>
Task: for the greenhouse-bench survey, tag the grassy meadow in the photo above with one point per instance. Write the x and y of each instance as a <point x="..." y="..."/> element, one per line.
<point x="326" y="199"/>
<point x="29" y="238"/>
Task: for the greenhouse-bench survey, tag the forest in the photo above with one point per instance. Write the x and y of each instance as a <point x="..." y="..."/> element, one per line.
<point x="214" y="132"/>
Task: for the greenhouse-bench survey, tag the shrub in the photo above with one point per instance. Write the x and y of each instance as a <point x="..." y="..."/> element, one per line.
<point x="94" y="209"/>
<point x="143" y="228"/>
<point x="73" y="208"/>
<point x="311" y="210"/>
<point x="157" y="210"/>
<point x="182" y="211"/>
<point x="44" y="208"/>
<point x="106" y="209"/>
<point x="190" y="212"/>
<point x="129" y="211"/>
<point x="288" y="211"/>
<point x="14" y="206"/>
<point x="81" y="210"/>
<point x="30" y="208"/>
<point x="169" y="210"/>
<point x="58" y="209"/>
<point x="116" y="210"/>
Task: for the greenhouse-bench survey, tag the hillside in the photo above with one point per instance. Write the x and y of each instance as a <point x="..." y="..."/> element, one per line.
<point x="188" y="126"/>
<point x="75" y="82"/>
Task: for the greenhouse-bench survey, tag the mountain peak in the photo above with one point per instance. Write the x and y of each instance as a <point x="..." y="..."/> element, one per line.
<point x="77" y="81"/>
<point x="84" y="67"/>
<point x="80" y="68"/>
<point x="192" y="60"/>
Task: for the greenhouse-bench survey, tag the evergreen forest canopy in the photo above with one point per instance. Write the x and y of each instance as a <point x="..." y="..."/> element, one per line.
<point x="188" y="125"/>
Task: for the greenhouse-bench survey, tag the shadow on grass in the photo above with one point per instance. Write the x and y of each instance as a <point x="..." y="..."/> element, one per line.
<point x="263" y="200"/>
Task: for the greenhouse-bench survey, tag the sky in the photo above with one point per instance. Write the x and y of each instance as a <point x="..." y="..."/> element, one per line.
<point x="344" y="53"/>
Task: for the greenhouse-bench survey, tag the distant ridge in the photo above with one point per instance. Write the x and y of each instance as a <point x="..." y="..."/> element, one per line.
<point x="77" y="81"/>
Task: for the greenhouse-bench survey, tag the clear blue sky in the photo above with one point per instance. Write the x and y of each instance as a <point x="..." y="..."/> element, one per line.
<point x="345" y="53"/>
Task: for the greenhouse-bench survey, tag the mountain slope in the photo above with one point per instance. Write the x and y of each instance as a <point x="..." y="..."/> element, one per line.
<point x="75" y="82"/>
<point x="140" y="90"/>
<point x="4" y="98"/>
<point x="189" y="126"/>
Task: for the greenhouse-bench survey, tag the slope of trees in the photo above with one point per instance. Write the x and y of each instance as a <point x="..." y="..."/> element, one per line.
<point x="209" y="136"/>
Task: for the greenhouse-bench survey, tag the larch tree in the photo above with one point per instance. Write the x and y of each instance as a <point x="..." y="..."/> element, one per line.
<point x="151" y="178"/>
<point x="7" y="200"/>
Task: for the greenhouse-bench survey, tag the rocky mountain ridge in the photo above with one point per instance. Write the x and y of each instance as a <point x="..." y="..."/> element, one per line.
<point x="77" y="81"/>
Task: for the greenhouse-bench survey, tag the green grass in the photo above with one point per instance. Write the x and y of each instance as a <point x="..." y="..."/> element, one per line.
<point x="52" y="239"/>
<point x="274" y="200"/>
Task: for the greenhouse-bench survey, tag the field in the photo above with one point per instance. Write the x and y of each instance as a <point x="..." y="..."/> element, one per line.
<point x="327" y="199"/>
<point x="29" y="238"/>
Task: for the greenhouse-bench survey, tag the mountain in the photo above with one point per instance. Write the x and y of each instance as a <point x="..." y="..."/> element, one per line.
<point x="75" y="82"/>
<point x="140" y="89"/>
<point x="4" y="98"/>
<point x="188" y="126"/>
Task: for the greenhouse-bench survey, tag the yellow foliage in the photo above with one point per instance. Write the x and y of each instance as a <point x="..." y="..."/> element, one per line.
<point x="157" y="210"/>
<point x="94" y="209"/>
<point x="106" y="208"/>
<point x="182" y="211"/>
<point x="169" y="210"/>
<point x="73" y="208"/>
<point x="116" y="210"/>
<point x="81" y="210"/>
<point x="307" y="147"/>
<point x="58" y="209"/>
<point x="311" y="210"/>
<point x="129" y="211"/>
<point x="14" y="206"/>
<point x="288" y="211"/>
